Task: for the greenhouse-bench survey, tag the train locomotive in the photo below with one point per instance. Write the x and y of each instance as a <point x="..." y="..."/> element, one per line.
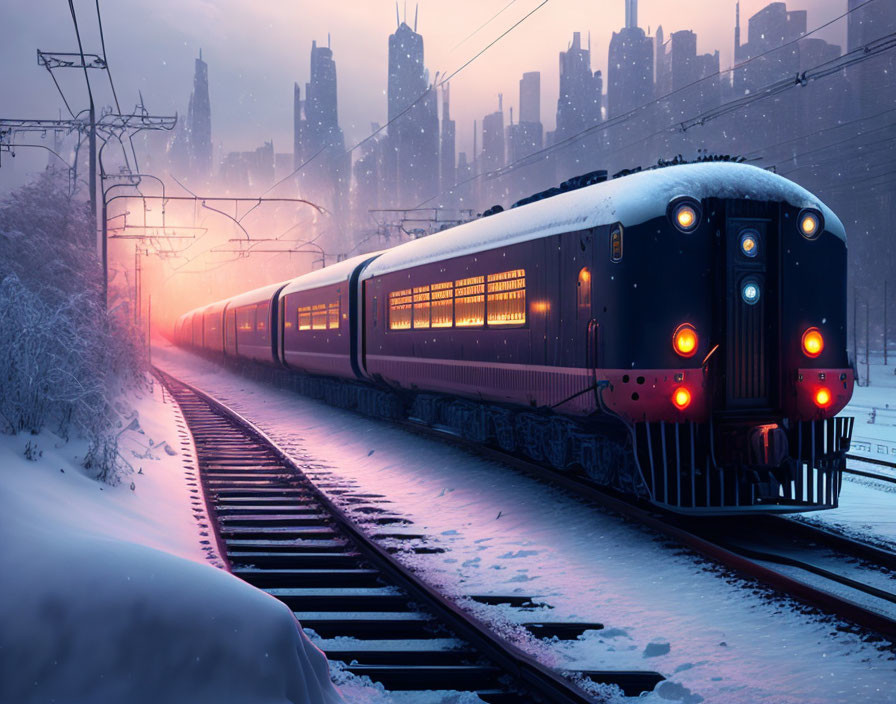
<point x="677" y="334"/>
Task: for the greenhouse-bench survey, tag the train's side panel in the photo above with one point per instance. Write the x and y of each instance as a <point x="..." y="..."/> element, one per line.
<point x="253" y="331"/>
<point x="316" y="330"/>
<point x="196" y="329"/>
<point x="461" y="326"/>
<point x="230" y="330"/>
<point x="213" y="322"/>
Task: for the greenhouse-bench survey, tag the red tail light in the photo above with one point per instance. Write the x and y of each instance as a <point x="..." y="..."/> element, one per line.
<point x="823" y="398"/>
<point x="681" y="398"/>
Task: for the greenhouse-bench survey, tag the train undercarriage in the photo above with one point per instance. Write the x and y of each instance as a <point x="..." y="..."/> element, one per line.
<point x="697" y="468"/>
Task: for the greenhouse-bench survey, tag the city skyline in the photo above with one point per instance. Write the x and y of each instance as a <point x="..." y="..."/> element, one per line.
<point x="239" y="84"/>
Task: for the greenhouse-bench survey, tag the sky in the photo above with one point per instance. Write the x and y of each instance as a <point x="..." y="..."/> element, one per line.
<point x="257" y="50"/>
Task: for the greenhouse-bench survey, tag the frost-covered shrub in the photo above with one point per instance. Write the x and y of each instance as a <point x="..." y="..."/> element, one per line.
<point x="63" y="359"/>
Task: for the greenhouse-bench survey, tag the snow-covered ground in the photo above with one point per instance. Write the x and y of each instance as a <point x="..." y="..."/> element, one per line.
<point x="109" y="593"/>
<point x="714" y="637"/>
<point x="867" y="506"/>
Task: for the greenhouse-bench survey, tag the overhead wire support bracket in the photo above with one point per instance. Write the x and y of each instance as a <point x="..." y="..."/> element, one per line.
<point x="64" y="59"/>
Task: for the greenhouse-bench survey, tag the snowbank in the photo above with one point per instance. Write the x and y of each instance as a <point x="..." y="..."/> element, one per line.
<point x="106" y="593"/>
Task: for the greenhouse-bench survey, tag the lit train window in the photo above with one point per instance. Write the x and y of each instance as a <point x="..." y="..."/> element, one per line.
<point x="583" y="293"/>
<point x="319" y="316"/>
<point x="262" y="316"/>
<point x="304" y="318"/>
<point x="507" y="298"/>
<point x="400" y="309"/>
<point x="616" y="243"/>
<point x="245" y="318"/>
<point x="443" y="305"/>
<point x="333" y="314"/>
<point x="422" y="305"/>
<point x="469" y="302"/>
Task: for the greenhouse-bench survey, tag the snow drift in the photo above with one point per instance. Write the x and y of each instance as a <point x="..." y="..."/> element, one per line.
<point x="96" y="607"/>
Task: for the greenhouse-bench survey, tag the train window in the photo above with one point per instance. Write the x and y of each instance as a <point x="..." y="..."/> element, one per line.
<point x="262" y="318"/>
<point x="422" y="305"/>
<point x="469" y="302"/>
<point x="442" y="305"/>
<point x="245" y="318"/>
<point x="583" y="292"/>
<point x="304" y="318"/>
<point x="507" y="298"/>
<point x="230" y="327"/>
<point x="333" y="314"/>
<point x="400" y="309"/>
<point x="616" y="243"/>
<point x="319" y="316"/>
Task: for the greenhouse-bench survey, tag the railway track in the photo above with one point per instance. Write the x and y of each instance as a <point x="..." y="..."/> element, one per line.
<point x="278" y="531"/>
<point x="833" y="572"/>
<point x="871" y="475"/>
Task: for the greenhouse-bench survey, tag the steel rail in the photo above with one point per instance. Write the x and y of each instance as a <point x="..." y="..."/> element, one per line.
<point x="535" y="679"/>
<point x="698" y="539"/>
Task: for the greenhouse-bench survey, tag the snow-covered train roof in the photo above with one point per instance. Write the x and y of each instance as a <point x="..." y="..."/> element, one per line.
<point x="630" y="200"/>
<point x="333" y="274"/>
<point x="257" y="295"/>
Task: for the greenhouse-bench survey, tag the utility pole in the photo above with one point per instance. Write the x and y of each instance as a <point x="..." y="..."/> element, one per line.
<point x="867" y="347"/>
<point x="886" y="337"/>
<point x="855" y="331"/>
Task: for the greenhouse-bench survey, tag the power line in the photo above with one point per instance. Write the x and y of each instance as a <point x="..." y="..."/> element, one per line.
<point x="421" y="97"/>
<point x="624" y="117"/>
<point x="483" y="25"/>
<point x="99" y="21"/>
<point x="863" y="53"/>
<point x="493" y="42"/>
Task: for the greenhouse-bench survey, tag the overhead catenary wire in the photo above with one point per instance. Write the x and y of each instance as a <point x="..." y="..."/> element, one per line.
<point x="536" y="156"/>
<point x="437" y="84"/>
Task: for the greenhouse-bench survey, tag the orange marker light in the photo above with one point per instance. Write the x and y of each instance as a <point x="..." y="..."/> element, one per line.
<point x="686" y="217"/>
<point x="809" y="225"/>
<point x="822" y="398"/>
<point x="681" y="398"/>
<point x="684" y="340"/>
<point x="813" y="342"/>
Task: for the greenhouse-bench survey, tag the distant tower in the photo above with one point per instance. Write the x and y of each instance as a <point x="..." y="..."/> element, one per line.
<point x="200" y="122"/>
<point x="737" y="31"/>
<point x="317" y="131"/>
<point x="530" y="97"/>
<point x="447" y="159"/>
<point x="631" y="14"/>
<point x="630" y="70"/>
<point x="411" y="161"/>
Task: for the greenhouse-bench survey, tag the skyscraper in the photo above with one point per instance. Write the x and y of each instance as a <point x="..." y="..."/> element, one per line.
<point x="578" y="108"/>
<point x="447" y="151"/>
<point x="200" y="123"/>
<point x="527" y="137"/>
<point x="318" y="138"/>
<point x="530" y="97"/>
<point x="630" y="69"/>
<point x="411" y="162"/>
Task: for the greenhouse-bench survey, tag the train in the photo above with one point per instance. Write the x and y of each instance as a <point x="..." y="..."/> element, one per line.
<point x="676" y="334"/>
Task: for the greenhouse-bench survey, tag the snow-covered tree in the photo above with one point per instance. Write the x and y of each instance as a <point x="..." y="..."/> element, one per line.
<point x="64" y="361"/>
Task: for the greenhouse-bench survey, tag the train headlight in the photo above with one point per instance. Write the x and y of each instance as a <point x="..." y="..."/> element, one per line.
<point x="681" y="398"/>
<point x="685" y="214"/>
<point x="749" y="243"/>
<point x="750" y="292"/>
<point x="813" y="342"/>
<point x="684" y="340"/>
<point x="809" y="223"/>
<point x="823" y="398"/>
